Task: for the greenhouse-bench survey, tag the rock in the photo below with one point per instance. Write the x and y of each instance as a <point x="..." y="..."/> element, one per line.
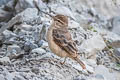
<point x="10" y="6"/>
<point x="2" y="77"/>
<point x="40" y="4"/>
<point x="2" y="2"/>
<point x="28" y="14"/>
<point x="4" y="60"/>
<point x="29" y="45"/>
<point x="25" y="27"/>
<point x="82" y="77"/>
<point x="77" y="66"/>
<point x="112" y="38"/>
<point x="89" y="69"/>
<point x="11" y="23"/>
<point x="92" y="12"/>
<point x="38" y="50"/>
<point x="91" y="62"/>
<point x="5" y="16"/>
<point x="43" y="32"/>
<point x="62" y="10"/>
<point x="73" y="24"/>
<point x="99" y="77"/>
<point x="9" y="76"/>
<point x="117" y="52"/>
<point x="102" y="70"/>
<point x="23" y="4"/>
<point x="13" y="50"/>
<point x="116" y="25"/>
<point x="91" y="45"/>
<point x="44" y="44"/>
<point x="18" y="77"/>
<point x="8" y="34"/>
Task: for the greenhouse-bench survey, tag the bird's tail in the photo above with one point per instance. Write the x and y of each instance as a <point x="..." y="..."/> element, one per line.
<point x="80" y="62"/>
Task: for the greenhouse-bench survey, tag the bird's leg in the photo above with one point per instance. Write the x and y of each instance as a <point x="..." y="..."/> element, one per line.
<point x="80" y="62"/>
<point x="63" y="61"/>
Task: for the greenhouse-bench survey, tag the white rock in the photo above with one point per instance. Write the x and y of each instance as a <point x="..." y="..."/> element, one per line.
<point x="91" y="62"/>
<point x="28" y="14"/>
<point x="25" y="27"/>
<point x="73" y="24"/>
<point x="116" y="25"/>
<point x="2" y="77"/>
<point x="4" y="60"/>
<point x="113" y="38"/>
<point x="9" y="76"/>
<point x="8" y="34"/>
<point x="92" y="45"/>
<point x="38" y="50"/>
<point x="63" y="10"/>
<point x="5" y="15"/>
<point x="78" y="67"/>
<point x="90" y="69"/>
<point x="13" y="48"/>
<point x="44" y="45"/>
<point x="99" y="77"/>
<point x="23" y="4"/>
<point x="102" y="70"/>
<point x="40" y="3"/>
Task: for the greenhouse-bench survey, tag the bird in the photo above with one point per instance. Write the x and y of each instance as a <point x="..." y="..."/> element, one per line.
<point x="60" y="41"/>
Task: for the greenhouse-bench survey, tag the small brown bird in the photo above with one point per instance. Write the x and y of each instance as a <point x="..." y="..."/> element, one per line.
<point x="60" y="41"/>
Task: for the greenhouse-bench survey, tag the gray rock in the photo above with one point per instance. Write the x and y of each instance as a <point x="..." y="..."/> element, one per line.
<point x="23" y="4"/>
<point x="99" y="77"/>
<point x="8" y="34"/>
<point x="2" y="2"/>
<point x="29" y="46"/>
<point x="19" y="78"/>
<point x="62" y="10"/>
<point x="40" y="4"/>
<point x="73" y="24"/>
<point x="116" y="25"/>
<point x="25" y="27"/>
<point x="102" y="70"/>
<point x="4" y="60"/>
<point x="94" y="41"/>
<point x="38" y="50"/>
<point x="112" y="38"/>
<point x="91" y="62"/>
<point x="11" y="48"/>
<point x="9" y="76"/>
<point x="44" y="44"/>
<point x="5" y="15"/>
<point x="28" y="14"/>
<point x="80" y="77"/>
<point x="11" y="23"/>
<point x="2" y="77"/>
<point x="117" y="52"/>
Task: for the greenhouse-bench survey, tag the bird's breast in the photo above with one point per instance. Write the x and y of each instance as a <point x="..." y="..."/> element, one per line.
<point x="53" y="46"/>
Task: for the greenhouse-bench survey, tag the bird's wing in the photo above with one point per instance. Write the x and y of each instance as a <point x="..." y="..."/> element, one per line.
<point x="63" y="39"/>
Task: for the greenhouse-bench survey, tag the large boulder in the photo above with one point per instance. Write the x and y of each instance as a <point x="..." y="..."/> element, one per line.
<point x="93" y="44"/>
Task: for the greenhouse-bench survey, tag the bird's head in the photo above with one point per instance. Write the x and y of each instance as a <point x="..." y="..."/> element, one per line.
<point x="61" y="20"/>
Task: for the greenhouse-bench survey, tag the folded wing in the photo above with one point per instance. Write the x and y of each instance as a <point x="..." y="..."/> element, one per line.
<point x="63" y="38"/>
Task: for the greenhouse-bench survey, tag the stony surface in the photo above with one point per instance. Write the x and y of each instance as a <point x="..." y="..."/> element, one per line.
<point x="24" y="51"/>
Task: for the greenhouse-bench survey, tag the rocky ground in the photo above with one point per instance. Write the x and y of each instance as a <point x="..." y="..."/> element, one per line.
<point x="24" y="51"/>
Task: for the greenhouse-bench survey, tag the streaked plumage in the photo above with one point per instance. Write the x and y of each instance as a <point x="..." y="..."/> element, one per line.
<point x="60" y="40"/>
